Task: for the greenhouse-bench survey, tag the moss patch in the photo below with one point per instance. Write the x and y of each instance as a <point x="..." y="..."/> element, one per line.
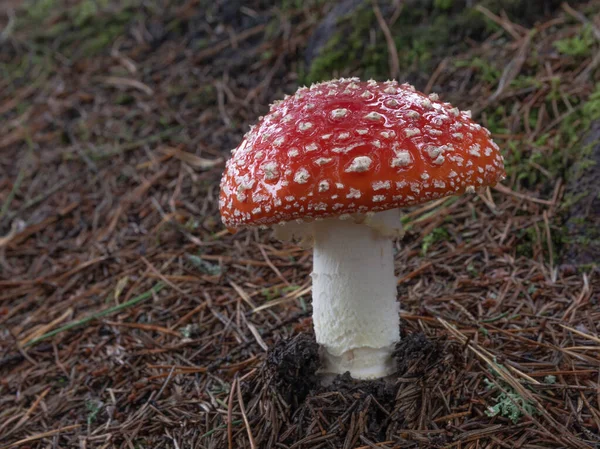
<point x="83" y="29"/>
<point x="424" y="33"/>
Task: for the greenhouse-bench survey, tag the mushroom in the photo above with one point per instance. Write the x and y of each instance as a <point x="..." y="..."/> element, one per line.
<point x="333" y="164"/>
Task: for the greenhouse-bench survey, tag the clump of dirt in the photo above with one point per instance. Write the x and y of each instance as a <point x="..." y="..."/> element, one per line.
<point x="415" y="353"/>
<point x="351" y="412"/>
<point x="291" y="367"/>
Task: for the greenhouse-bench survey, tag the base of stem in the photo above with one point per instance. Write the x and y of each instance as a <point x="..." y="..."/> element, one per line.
<point x="362" y="363"/>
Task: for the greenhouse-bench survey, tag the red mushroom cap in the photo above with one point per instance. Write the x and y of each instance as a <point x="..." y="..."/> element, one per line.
<point x="346" y="146"/>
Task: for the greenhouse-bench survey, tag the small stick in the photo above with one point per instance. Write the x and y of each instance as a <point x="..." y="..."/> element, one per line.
<point x="581" y="334"/>
<point x="389" y="39"/>
<point x="31" y="409"/>
<point x="39" y="436"/>
<point x="45" y="328"/>
<point x="243" y="410"/>
<point x="17" y="185"/>
<point x="503" y="189"/>
<point x="230" y="415"/>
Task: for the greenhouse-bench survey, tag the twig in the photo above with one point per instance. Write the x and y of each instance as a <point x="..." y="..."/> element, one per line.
<point x="549" y="242"/>
<point x="216" y="49"/>
<point x="245" y="296"/>
<point x="19" y="180"/>
<point x="46" y="327"/>
<point x="582" y="18"/>
<point x="230" y="414"/>
<point x="508" y="26"/>
<point x="120" y="149"/>
<point x="127" y="82"/>
<point x="389" y="39"/>
<point x="243" y="410"/>
<point x="41" y="197"/>
<point x="289" y="297"/>
<point x="272" y="266"/>
<point x="39" y="436"/>
<point x="503" y="189"/>
<point x="581" y="334"/>
<point x="29" y="412"/>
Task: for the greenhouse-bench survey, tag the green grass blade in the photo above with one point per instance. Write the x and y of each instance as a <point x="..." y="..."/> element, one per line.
<point x="73" y="324"/>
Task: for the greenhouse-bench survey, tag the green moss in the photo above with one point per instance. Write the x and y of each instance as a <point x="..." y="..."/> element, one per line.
<point x="125" y="99"/>
<point x="422" y="34"/>
<point x="57" y="30"/>
<point x="95" y="44"/>
<point x="291" y="5"/>
<point x="443" y="5"/>
<point x="559" y="154"/>
<point x="341" y="51"/>
<point x="487" y="72"/>
<point x="528" y="242"/>
<point x="86" y="10"/>
<point x="591" y="108"/>
<point x="204" y="97"/>
<point x="587" y="267"/>
<point x="554" y="94"/>
<point x="38" y="10"/>
<point x="573" y="128"/>
<point x="527" y="238"/>
<point x="267" y="54"/>
<point x="18" y="70"/>
<point x="518" y="158"/>
<point x="526" y="82"/>
<point x="84" y="28"/>
<point x="495" y="121"/>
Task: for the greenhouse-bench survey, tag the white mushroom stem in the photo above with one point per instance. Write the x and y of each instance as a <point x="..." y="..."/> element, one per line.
<point x="355" y="311"/>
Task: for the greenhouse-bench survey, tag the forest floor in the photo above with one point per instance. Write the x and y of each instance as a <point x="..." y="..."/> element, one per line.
<point x="130" y="318"/>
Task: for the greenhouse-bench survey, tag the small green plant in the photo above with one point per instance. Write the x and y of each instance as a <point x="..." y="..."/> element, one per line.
<point x="550" y="379"/>
<point x="472" y="270"/>
<point x="488" y="72"/>
<point x="87" y="10"/>
<point x="203" y="265"/>
<point x="580" y="45"/>
<point x="93" y="408"/>
<point x="509" y="404"/>
<point x="525" y="82"/>
<point x="271" y="293"/>
<point x="443" y="5"/>
<point x="189" y="330"/>
<point x="591" y="108"/>
<point x="39" y="9"/>
<point x="437" y="235"/>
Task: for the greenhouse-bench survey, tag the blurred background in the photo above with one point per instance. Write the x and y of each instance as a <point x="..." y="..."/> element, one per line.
<point x="96" y="86"/>
<point x="116" y="117"/>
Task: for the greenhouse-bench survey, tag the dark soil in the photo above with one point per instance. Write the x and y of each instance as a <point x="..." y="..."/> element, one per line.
<point x="291" y="368"/>
<point x="353" y="412"/>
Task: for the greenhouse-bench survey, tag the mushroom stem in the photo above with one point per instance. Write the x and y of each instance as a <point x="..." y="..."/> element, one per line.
<point x="355" y="311"/>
